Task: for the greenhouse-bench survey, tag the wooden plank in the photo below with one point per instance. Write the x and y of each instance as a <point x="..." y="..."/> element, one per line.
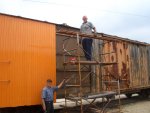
<point x="72" y="85"/>
<point x="89" y="63"/>
<point x="100" y="36"/>
<point x="101" y="95"/>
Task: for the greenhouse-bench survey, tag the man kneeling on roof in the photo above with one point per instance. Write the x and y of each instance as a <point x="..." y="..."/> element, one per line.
<point x="47" y="95"/>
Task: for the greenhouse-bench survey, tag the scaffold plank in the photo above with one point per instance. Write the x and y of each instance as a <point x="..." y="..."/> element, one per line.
<point x="89" y="63"/>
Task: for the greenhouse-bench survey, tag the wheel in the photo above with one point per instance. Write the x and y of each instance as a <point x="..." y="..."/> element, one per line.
<point x="129" y="95"/>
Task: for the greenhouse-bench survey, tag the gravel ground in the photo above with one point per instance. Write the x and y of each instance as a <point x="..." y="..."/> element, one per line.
<point x="140" y="107"/>
<point x="134" y="105"/>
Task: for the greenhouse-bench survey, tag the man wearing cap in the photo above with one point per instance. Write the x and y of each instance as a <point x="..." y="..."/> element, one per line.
<point x="87" y="28"/>
<point x="47" y="95"/>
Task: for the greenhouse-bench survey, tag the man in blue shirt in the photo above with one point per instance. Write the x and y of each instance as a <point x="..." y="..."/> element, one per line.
<point x="87" y="28"/>
<point x="47" y="95"/>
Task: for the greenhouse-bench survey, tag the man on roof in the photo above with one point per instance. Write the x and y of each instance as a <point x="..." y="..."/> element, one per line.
<point x="87" y="28"/>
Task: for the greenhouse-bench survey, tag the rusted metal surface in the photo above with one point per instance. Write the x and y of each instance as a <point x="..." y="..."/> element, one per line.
<point x="133" y="60"/>
<point x="70" y="71"/>
<point x="133" y="65"/>
<point x="78" y="79"/>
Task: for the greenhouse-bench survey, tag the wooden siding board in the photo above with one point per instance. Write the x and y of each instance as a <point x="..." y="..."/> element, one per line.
<point x="148" y="63"/>
<point x="139" y="72"/>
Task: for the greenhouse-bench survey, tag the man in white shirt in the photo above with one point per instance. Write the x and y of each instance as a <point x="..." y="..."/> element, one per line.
<point x="87" y="28"/>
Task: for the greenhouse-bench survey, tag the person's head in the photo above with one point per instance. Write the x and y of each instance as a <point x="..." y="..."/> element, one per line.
<point x="49" y="82"/>
<point x="84" y="18"/>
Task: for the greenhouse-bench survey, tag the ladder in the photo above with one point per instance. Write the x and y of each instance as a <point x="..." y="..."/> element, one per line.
<point x="78" y="97"/>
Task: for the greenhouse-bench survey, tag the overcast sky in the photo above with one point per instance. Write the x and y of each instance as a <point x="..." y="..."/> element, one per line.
<point x="124" y="18"/>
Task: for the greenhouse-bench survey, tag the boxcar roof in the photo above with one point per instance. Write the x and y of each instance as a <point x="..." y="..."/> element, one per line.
<point x="105" y="35"/>
<point x="77" y="29"/>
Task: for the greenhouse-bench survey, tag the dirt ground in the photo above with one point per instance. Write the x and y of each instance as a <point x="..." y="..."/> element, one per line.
<point x="133" y="105"/>
<point x="140" y="107"/>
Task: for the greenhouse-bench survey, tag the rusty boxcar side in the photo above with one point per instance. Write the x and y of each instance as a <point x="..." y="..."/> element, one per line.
<point x="132" y="70"/>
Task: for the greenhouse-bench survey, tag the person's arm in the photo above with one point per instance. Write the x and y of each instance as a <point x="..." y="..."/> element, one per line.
<point x="80" y="38"/>
<point x="43" y="101"/>
<point x="60" y="85"/>
<point x="55" y="88"/>
<point x="94" y="30"/>
<point x="43" y="104"/>
<point x="93" y="27"/>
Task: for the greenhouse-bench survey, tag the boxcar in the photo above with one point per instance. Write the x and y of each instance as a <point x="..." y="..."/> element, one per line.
<point x="132" y="57"/>
<point x="31" y="52"/>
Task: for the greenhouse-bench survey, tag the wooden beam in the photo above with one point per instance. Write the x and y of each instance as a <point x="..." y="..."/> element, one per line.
<point x="74" y="34"/>
<point x="89" y="63"/>
<point x="100" y="36"/>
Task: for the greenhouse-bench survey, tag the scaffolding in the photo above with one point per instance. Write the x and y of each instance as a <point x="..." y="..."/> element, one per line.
<point x="75" y="60"/>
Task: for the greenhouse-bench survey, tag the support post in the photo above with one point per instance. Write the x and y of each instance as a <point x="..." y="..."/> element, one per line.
<point x="100" y="46"/>
<point x="96" y="68"/>
<point x="79" y="72"/>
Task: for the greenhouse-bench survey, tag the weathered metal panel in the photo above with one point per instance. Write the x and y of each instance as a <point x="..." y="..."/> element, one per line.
<point x="132" y="68"/>
<point x="74" y="80"/>
<point x="148" y="63"/>
<point x="138" y="66"/>
<point x="123" y="64"/>
<point x="110" y="72"/>
<point x="70" y="70"/>
<point x="132" y="65"/>
<point x="27" y="59"/>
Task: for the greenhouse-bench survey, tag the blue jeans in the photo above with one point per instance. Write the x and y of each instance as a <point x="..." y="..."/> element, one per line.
<point x="87" y="46"/>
